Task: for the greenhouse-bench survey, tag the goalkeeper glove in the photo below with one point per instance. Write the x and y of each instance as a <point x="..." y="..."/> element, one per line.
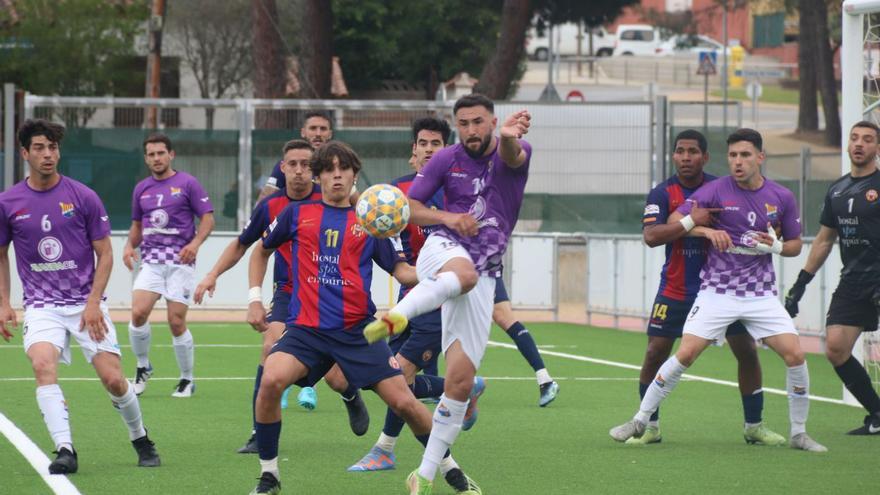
<point x="797" y="292"/>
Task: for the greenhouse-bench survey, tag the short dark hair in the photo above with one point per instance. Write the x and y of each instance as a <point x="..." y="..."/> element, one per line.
<point x="322" y="159"/>
<point x="317" y="113"/>
<point x="692" y="134"/>
<point x="431" y="124"/>
<point x="746" y="134"/>
<point x="296" y="144"/>
<point x="473" y="100"/>
<point x="32" y="128"/>
<point x="867" y="124"/>
<point x="158" y="138"/>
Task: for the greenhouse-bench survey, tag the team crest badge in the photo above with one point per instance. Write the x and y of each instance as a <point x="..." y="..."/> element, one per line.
<point x="357" y="230"/>
<point x="67" y="209"/>
<point x="871" y="195"/>
<point x="772" y="212"/>
<point x="427" y="355"/>
<point x="175" y="192"/>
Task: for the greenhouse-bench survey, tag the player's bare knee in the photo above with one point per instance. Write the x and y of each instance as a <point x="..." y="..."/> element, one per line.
<point x="271" y="386"/>
<point x="655" y="357"/>
<point x="836" y="354"/>
<point x="177" y="325"/>
<point x="116" y="384"/>
<point x="139" y="317"/>
<point x="336" y="382"/>
<point x="45" y="370"/>
<point x="794" y="357"/>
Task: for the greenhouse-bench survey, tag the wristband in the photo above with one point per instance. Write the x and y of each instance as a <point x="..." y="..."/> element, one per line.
<point x="255" y="294"/>
<point x="688" y="223"/>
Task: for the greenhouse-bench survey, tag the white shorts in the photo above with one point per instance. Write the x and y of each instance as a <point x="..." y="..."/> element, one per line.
<point x="468" y="317"/>
<point x="173" y="282"/>
<point x="711" y="313"/>
<point x="57" y="325"/>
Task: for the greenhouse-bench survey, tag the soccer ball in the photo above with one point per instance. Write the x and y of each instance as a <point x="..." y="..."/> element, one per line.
<point x="382" y="210"/>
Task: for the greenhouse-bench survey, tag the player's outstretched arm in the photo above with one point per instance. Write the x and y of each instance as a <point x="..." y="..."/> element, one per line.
<point x="92" y="319"/>
<point x="515" y="126"/>
<point x="7" y="314"/>
<point x="256" y="315"/>
<point x="135" y="237"/>
<point x="233" y="252"/>
<point x="206" y="225"/>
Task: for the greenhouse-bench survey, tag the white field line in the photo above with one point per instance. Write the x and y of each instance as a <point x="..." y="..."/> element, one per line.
<point x="59" y="484"/>
<point x="687" y="376"/>
<point x="250" y="378"/>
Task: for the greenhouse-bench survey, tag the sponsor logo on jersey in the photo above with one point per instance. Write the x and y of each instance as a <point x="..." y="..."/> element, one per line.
<point x="67" y="209"/>
<point x="176" y="192"/>
<point x="50" y="248"/>
<point x="772" y="212"/>
<point x="652" y="210"/>
<point x="158" y="218"/>
<point x="204" y="200"/>
<point x="21" y="215"/>
<point x="871" y="195"/>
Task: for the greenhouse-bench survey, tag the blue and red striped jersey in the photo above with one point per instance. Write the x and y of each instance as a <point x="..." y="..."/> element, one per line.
<point x="413" y="236"/>
<point x="680" y="276"/>
<point x="263" y="215"/>
<point x="331" y="264"/>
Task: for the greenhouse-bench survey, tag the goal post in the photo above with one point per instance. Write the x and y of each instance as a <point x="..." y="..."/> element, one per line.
<point x="860" y="88"/>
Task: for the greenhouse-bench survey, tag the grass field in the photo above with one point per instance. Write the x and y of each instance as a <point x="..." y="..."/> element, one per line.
<point x="515" y="448"/>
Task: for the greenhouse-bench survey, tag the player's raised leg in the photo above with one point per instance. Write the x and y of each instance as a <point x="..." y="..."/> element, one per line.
<point x="139" y="331"/>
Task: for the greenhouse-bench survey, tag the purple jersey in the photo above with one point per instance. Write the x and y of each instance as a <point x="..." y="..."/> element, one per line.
<point x="485" y="187"/>
<point x="53" y="232"/>
<point x="742" y="270"/>
<point x="166" y="209"/>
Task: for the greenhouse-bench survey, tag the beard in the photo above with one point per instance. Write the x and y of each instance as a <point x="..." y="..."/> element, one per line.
<point x="484" y="145"/>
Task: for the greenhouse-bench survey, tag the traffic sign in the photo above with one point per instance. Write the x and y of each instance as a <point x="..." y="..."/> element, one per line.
<point x="708" y="64"/>
<point x="754" y="90"/>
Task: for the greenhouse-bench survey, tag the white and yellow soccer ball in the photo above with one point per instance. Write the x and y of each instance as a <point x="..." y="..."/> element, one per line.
<point x="382" y="211"/>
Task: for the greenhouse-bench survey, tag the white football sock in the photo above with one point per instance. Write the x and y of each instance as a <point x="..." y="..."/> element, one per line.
<point x="183" y="350"/>
<point x="543" y="376"/>
<point x="663" y="384"/>
<point x="429" y="295"/>
<point x="130" y="410"/>
<point x="270" y="466"/>
<point x="386" y="442"/>
<point x="797" y="383"/>
<point x="50" y="399"/>
<point x="447" y="420"/>
<point x="140" y="343"/>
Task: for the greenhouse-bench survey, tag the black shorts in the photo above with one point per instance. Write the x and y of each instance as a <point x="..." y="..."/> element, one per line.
<point x="851" y="305"/>
<point x="280" y="306"/>
<point x="500" y="291"/>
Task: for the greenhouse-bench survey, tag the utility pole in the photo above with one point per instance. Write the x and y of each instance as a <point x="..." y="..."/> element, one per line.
<point x="724" y="68"/>
<point x="154" y="57"/>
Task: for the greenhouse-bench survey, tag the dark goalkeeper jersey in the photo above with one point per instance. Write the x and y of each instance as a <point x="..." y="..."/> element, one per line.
<point x="852" y="208"/>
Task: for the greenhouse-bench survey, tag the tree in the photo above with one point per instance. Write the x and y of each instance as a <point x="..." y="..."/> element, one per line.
<point x="825" y="71"/>
<point x="215" y="42"/>
<point x="421" y="43"/>
<point x="808" y="112"/>
<point x="317" y="48"/>
<point x="70" y="48"/>
<point x="268" y="55"/>
<point x="496" y="77"/>
<point x="495" y="80"/>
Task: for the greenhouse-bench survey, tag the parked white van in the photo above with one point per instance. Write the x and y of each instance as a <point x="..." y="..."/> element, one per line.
<point x="565" y="43"/>
<point x="637" y="39"/>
